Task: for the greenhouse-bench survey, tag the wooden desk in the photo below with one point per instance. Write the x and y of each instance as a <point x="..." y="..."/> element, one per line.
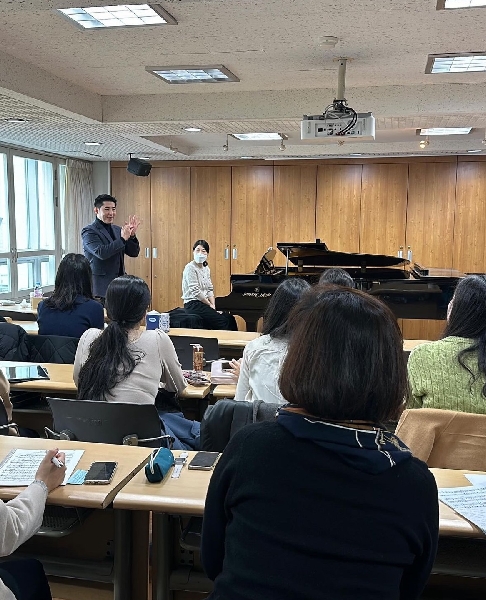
<point x="452" y="524"/>
<point x="130" y="460"/>
<point x="31" y="327"/>
<point x="61" y="381"/>
<point x="226" y="339"/>
<point x="411" y="344"/>
<point x="187" y="496"/>
<point x="224" y="391"/>
<point x="16" y="312"/>
<point x="183" y="496"/>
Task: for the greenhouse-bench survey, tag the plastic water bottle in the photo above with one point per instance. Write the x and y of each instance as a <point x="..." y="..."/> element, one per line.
<point x="409" y="254"/>
<point x="400" y="252"/>
<point x="38" y="290"/>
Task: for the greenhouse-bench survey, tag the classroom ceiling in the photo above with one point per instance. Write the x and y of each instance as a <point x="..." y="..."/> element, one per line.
<point x="73" y="86"/>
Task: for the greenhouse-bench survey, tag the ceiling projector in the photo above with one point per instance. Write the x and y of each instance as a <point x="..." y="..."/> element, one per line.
<point x="338" y="121"/>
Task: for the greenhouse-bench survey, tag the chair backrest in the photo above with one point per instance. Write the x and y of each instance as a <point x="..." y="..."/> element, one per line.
<point x="446" y="439"/>
<point x="183" y="347"/>
<point x="52" y="348"/>
<point x="225" y="418"/>
<point x="105" y="422"/>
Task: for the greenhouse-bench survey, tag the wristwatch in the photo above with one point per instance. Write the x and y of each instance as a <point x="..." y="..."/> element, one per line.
<point x="180" y="461"/>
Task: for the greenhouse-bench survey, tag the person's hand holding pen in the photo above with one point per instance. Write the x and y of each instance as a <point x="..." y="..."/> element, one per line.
<point x="49" y="472"/>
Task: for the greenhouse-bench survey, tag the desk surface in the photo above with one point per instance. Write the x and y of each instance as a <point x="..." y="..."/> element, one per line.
<point x="452" y="524"/>
<point x="226" y="339"/>
<point x="61" y="380"/>
<point x="130" y="460"/>
<point x="187" y="495"/>
<point x="183" y="496"/>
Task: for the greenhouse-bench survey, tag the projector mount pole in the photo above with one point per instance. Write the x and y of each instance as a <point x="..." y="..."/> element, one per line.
<point x="340" y="102"/>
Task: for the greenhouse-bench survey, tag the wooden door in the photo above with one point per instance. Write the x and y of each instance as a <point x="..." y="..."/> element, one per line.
<point x="470" y="222"/>
<point x="251" y="216"/>
<point x="211" y="220"/>
<point x="133" y="197"/>
<point x="430" y="229"/>
<point x="383" y="208"/>
<point x="338" y="206"/>
<point x="171" y="235"/>
<point x="294" y="206"/>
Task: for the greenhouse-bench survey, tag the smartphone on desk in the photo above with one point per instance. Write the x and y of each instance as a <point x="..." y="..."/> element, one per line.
<point x="100" y="473"/>
<point x="203" y="461"/>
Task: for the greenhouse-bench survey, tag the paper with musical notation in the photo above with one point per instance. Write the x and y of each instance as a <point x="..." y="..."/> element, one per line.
<point x="469" y="502"/>
<point x="20" y="466"/>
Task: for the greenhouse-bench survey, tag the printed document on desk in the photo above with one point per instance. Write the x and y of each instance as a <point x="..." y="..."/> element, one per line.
<point x="469" y="502"/>
<point x="478" y="480"/>
<point x="20" y="466"/>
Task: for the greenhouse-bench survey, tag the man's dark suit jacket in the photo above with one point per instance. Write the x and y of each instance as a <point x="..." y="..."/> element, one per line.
<point x="105" y="254"/>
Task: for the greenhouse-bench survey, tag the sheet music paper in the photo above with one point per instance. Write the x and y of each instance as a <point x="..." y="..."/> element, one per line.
<point x="20" y="466"/>
<point x="478" y="480"/>
<point x="470" y="502"/>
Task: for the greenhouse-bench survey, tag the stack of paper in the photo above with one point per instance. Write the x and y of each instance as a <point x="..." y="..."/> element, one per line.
<point x="20" y="466"/>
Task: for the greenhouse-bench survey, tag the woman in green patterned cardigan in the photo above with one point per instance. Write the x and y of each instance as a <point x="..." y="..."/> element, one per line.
<point x="451" y="373"/>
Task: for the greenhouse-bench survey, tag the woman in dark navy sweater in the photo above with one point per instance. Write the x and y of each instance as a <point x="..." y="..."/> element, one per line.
<point x="324" y="503"/>
<point x="71" y="310"/>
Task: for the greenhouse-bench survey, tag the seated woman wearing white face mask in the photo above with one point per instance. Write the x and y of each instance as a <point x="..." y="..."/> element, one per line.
<point x="198" y="293"/>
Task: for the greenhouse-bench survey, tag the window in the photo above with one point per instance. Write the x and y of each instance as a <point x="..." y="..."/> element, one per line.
<point x="30" y="223"/>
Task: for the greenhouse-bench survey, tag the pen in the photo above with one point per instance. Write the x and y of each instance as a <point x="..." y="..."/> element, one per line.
<point x="55" y="461"/>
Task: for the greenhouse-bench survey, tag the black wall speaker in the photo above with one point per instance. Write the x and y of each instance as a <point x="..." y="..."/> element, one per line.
<point x="139" y="167"/>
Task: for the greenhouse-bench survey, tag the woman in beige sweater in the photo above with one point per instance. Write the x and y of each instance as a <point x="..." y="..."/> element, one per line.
<point x="125" y="363"/>
<point x="451" y="373"/>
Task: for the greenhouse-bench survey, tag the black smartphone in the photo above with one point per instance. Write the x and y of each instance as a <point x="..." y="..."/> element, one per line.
<point x="204" y="461"/>
<point x="100" y="473"/>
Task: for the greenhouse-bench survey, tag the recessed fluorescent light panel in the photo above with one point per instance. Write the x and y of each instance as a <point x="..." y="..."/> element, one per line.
<point x="257" y="137"/>
<point x="192" y="129"/>
<point x="456" y="63"/>
<point x="92" y="143"/>
<point x="445" y="131"/>
<point x="122" y="15"/>
<point x="451" y="4"/>
<point x="193" y="74"/>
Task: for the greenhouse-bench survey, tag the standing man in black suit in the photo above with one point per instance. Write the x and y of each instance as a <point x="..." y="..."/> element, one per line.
<point x="106" y="244"/>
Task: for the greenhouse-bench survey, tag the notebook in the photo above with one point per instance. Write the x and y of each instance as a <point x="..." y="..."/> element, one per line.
<point x="20" y="466"/>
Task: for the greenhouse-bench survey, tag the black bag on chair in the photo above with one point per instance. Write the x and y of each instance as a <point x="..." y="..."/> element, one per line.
<point x="180" y="317"/>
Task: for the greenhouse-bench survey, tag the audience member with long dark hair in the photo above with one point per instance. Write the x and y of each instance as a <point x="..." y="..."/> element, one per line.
<point x="451" y="373"/>
<point x="70" y="310"/>
<point x="263" y="356"/>
<point x="124" y="363"/>
<point x="323" y="502"/>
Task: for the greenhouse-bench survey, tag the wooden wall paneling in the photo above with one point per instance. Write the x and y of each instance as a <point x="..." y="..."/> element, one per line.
<point x="430" y="229"/>
<point x="422" y="329"/>
<point x="171" y="235"/>
<point x="430" y="213"/>
<point x="383" y="208"/>
<point x="251" y="216"/>
<point x="470" y="223"/>
<point x="338" y="206"/>
<point x="211" y="220"/>
<point x="294" y="205"/>
<point x="133" y="197"/>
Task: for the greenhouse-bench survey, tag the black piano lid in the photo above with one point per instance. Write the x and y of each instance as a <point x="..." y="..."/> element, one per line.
<point x="311" y="254"/>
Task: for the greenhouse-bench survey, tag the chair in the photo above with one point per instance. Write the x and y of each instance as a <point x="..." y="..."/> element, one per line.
<point x="106" y="422"/>
<point x="183" y="347"/>
<point x="445" y="438"/>
<point x="52" y="348"/>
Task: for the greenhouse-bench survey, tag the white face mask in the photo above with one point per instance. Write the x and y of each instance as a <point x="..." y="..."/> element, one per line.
<point x="199" y="258"/>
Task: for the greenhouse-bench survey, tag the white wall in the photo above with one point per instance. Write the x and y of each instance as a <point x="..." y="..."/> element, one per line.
<point x="101" y="178"/>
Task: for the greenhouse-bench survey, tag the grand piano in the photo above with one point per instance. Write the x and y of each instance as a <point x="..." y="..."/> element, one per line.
<point x="411" y="291"/>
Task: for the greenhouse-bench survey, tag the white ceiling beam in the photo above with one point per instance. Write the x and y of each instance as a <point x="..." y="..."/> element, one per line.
<point x="30" y="84"/>
<point x="291" y="104"/>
